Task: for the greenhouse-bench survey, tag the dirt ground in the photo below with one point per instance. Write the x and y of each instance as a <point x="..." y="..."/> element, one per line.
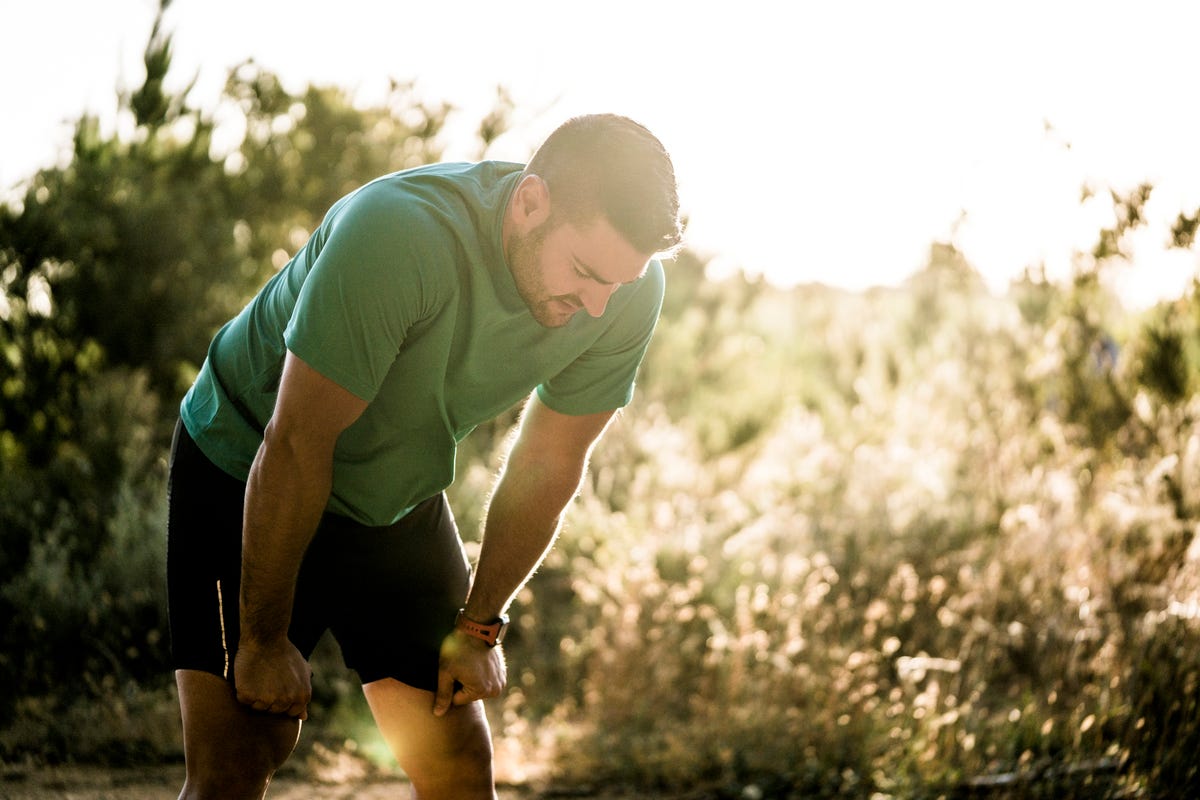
<point x="156" y="783"/>
<point x="159" y="783"/>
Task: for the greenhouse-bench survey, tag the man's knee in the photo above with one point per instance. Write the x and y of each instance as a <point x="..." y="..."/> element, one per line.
<point x="229" y="784"/>
<point x="230" y="751"/>
<point x="239" y="765"/>
<point x="462" y="768"/>
<point x="444" y="757"/>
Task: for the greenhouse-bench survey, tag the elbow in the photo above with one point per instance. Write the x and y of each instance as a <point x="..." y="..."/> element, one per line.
<point x="294" y="436"/>
<point x="293" y="450"/>
<point x="555" y="481"/>
<point x="563" y="487"/>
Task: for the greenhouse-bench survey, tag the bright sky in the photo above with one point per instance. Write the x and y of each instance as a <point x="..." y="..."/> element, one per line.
<point x="828" y="141"/>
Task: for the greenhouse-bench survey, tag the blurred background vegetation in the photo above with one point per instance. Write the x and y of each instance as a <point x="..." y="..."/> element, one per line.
<point x="913" y="542"/>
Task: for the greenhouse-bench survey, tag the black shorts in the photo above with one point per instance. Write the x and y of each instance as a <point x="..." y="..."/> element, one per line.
<point x="388" y="594"/>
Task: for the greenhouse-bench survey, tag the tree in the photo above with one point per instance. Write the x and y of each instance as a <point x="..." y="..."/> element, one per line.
<point x="116" y="270"/>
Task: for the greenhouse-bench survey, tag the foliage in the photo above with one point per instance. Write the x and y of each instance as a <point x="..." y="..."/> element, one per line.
<point x="912" y="542"/>
<point x="959" y="568"/>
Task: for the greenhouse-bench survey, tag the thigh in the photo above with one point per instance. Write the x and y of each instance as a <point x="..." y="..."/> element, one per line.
<point x="204" y="565"/>
<point x="444" y="757"/>
<point x="204" y="534"/>
<point x="391" y="593"/>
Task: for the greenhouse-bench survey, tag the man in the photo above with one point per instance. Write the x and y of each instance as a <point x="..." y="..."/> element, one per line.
<point x="308" y="468"/>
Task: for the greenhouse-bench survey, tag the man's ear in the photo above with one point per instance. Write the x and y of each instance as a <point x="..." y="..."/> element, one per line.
<point x="531" y="202"/>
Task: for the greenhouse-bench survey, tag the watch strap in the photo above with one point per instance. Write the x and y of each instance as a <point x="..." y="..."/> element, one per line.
<point x="491" y="633"/>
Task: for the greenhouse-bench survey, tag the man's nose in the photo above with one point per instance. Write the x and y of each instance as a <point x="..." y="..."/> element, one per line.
<point x="595" y="298"/>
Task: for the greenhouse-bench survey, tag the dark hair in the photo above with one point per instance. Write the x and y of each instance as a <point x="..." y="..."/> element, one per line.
<point x="610" y="165"/>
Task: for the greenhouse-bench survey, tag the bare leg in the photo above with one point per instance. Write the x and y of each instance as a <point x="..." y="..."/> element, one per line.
<point x="231" y="750"/>
<point x="446" y="758"/>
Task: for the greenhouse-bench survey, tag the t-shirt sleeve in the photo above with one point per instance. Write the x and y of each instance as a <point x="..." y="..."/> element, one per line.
<point x="602" y="379"/>
<point x="371" y="282"/>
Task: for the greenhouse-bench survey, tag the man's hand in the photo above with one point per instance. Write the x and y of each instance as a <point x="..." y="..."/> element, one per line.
<point x="273" y="678"/>
<point x="468" y="670"/>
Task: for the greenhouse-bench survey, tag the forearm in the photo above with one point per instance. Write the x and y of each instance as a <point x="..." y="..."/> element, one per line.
<point x="542" y="474"/>
<point x="522" y="522"/>
<point x="285" y="497"/>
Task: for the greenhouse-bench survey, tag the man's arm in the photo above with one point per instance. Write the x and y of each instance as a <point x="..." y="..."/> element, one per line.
<point x="287" y="491"/>
<point x="541" y="475"/>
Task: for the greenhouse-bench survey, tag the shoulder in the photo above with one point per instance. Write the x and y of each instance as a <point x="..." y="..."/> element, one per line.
<point x="426" y="206"/>
<point x="438" y="190"/>
<point x="655" y="279"/>
<point x="386" y="208"/>
<point x="642" y="299"/>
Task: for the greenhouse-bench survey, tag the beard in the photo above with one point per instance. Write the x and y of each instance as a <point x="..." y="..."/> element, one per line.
<point x="524" y="261"/>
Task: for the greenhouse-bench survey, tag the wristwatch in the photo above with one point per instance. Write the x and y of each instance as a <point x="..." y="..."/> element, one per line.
<point x="491" y="632"/>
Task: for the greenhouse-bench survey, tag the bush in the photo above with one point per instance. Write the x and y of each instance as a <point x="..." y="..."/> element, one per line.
<point x="941" y="582"/>
<point x="83" y="589"/>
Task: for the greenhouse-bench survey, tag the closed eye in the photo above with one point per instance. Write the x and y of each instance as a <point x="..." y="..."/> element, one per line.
<point x="584" y="271"/>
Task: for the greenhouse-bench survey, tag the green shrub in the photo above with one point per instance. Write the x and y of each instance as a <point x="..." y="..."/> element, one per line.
<point x="940" y="583"/>
<point x="83" y="588"/>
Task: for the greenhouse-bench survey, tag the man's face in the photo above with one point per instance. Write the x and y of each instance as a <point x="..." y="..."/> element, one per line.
<point x="563" y="268"/>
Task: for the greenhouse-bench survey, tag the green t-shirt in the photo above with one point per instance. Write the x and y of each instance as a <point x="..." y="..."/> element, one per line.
<point x="403" y="297"/>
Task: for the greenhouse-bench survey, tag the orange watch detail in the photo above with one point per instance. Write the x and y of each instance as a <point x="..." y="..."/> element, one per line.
<point x="491" y="632"/>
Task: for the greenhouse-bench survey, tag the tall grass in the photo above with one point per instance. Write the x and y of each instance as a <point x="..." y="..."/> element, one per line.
<point x="953" y="558"/>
